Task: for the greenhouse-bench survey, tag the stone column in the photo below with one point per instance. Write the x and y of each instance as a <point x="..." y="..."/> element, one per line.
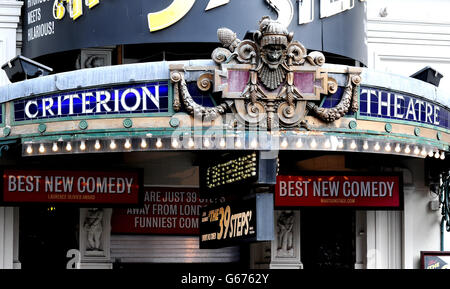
<point x="285" y="249"/>
<point x="9" y="238"/>
<point x="95" y="235"/>
<point x="9" y="20"/>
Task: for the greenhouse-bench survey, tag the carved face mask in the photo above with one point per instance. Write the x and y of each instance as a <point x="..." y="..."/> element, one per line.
<point x="273" y="55"/>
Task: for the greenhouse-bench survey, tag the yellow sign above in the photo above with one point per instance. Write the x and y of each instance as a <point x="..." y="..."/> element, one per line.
<point x="172" y="14"/>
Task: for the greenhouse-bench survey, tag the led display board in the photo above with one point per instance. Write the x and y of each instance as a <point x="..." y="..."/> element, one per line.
<point x="237" y="168"/>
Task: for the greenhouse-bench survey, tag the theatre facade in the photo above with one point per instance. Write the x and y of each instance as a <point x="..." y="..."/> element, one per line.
<point x="270" y="145"/>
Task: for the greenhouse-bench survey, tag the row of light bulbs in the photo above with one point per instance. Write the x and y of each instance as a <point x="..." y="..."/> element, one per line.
<point x="376" y="147"/>
<point x="97" y="146"/>
<point x="253" y="144"/>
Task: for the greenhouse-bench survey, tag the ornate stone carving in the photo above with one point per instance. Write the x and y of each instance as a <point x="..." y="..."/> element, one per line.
<point x="268" y="81"/>
<point x="93" y="224"/>
<point x="209" y="113"/>
<point x="285" y="224"/>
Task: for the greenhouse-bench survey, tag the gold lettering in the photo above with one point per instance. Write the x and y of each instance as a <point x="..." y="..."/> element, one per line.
<point x="75" y="8"/>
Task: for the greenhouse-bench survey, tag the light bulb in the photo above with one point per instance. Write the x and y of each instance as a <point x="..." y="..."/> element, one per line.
<point x="430" y="153"/>
<point x="191" y="143"/>
<point x="327" y="144"/>
<point x="377" y="146"/>
<point x="366" y="145"/>
<point x="127" y="144"/>
<point x="41" y="148"/>
<point x="55" y="147"/>
<point x="387" y="147"/>
<point x="82" y="145"/>
<point x="416" y="151"/>
<point x="299" y="143"/>
<point x="436" y="155"/>
<point x="158" y="143"/>
<point x="340" y="144"/>
<point x="353" y="145"/>
<point x="112" y="145"/>
<point x="284" y="143"/>
<point x="423" y="152"/>
<point x="313" y="143"/>
<point x="397" y="148"/>
<point x="206" y="142"/>
<point x="222" y="142"/>
<point x="144" y="143"/>
<point x="29" y="149"/>
<point x="407" y="149"/>
<point x="174" y="143"/>
<point x="68" y="147"/>
<point x="97" y="145"/>
<point x="442" y="155"/>
<point x="238" y="143"/>
<point x="254" y="143"/>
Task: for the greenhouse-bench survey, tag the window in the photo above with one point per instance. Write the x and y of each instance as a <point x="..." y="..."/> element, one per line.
<point x="305" y="11"/>
<point x="332" y="7"/>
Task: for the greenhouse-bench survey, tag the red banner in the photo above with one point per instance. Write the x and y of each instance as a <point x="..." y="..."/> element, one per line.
<point x="338" y="191"/>
<point x="165" y="211"/>
<point x="81" y="187"/>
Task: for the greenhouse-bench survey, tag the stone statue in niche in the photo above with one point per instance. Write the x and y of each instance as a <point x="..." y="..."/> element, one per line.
<point x="93" y="224"/>
<point x="285" y="224"/>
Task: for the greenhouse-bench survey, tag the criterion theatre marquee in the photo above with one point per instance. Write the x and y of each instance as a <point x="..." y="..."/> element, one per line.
<point x="267" y="84"/>
<point x="149" y="97"/>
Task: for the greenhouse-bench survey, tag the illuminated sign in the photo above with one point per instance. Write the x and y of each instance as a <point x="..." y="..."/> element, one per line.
<point x="379" y="103"/>
<point x="141" y="98"/>
<point x="225" y="224"/>
<point x="330" y="190"/>
<point x="234" y="169"/>
<point x="80" y="187"/>
<point x="165" y="211"/>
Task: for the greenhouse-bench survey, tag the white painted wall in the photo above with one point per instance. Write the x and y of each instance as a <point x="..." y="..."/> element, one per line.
<point x="9" y="20"/>
<point x="421" y="224"/>
<point x="9" y="231"/>
<point x="404" y="37"/>
<point x="412" y="34"/>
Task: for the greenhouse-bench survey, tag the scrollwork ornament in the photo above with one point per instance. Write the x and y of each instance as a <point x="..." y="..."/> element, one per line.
<point x="316" y="58"/>
<point x="296" y="51"/>
<point x="334" y="113"/>
<point x="247" y="50"/>
<point x="207" y="113"/>
<point x="220" y="55"/>
<point x="332" y="85"/>
<point x="204" y="82"/>
<point x="356" y="81"/>
<point x="175" y="77"/>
